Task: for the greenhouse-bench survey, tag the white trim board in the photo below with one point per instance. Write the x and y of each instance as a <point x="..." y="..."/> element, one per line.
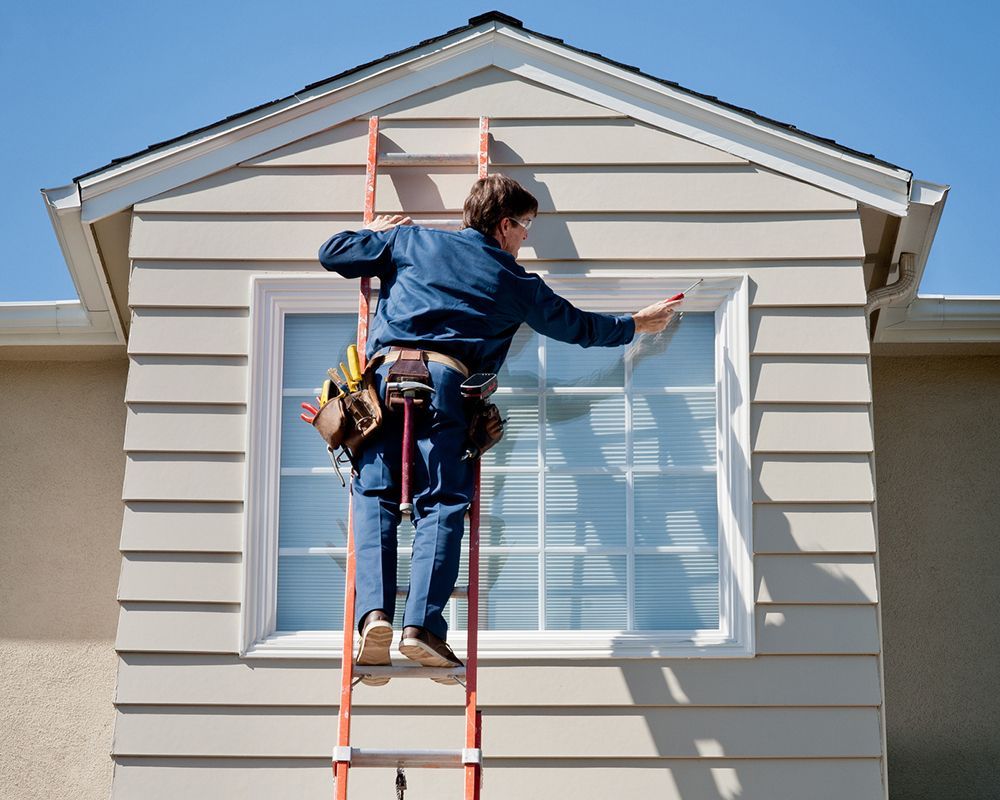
<point x="524" y="54"/>
<point x="272" y="297"/>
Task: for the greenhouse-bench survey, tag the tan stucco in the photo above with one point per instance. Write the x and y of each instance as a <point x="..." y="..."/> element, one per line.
<point x="60" y="488"/>
<point x="937" y="444"/>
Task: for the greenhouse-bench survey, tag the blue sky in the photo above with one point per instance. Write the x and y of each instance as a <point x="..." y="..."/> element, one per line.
<point x="913" y="83"/>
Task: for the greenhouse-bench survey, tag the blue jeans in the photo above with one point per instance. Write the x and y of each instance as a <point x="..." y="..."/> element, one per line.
<point x="441" y="485"/>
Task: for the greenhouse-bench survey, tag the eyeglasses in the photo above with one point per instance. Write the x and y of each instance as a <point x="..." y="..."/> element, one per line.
<point x="525" y="224"/>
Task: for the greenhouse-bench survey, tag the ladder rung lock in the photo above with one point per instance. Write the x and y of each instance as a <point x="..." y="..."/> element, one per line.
<point x="427" y="160"/>
<point x="409" y="672"/>
<point x="460" y="591"/>
<point x="440" y="759"/>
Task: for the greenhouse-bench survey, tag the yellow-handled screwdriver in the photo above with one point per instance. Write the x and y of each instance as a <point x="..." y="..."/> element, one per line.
<point x="324" y="396"/>
<point x="352" y="385"/>
<point x="354" y="363"/>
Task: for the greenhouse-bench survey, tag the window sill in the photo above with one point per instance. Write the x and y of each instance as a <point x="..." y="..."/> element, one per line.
<point x="527" y="646"/>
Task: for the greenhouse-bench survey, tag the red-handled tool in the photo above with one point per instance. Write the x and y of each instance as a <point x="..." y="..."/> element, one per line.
<point x="681" y="295"/>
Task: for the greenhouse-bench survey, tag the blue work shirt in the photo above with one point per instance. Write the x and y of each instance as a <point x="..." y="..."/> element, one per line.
<point x="460" y="294"/>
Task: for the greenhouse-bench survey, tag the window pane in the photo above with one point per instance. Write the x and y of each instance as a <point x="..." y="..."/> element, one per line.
<point x="673" y="430"/>
<point x="585" y="591"/>
<point x="585" y="510"/>
<point x="584" y="431"/>
<point x="508" y="593"/>
<point x="676" y="591"/>
<point x="519" y="446"/>
<point x="313" y="343"/>
<point x="522" y="365"/>
<point x="683" y="355"/>
<point x="672" y="510"/>
<point x="310" y="593"/>
<point x="312" y="511"/>
<point x="301" y="445"/>
<point x="509" y="510"/>
<point x="572" y="365"/>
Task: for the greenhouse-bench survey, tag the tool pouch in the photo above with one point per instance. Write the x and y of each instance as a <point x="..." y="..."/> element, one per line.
<point x="348" y="421"/>
<point x="410" y="366"/>
<point x="485" y="428"/>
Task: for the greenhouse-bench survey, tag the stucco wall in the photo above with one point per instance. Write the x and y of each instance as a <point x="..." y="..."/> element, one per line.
<point x="937" y="444"/>
<point x="61" y="475"/>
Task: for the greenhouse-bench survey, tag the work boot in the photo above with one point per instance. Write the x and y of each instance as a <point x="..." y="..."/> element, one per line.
<point x="419" y="644"/>
<point x="376" y="637"/>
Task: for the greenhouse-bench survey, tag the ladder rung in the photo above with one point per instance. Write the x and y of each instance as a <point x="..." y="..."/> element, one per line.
<point x="461" y="592"/>
<point x="454" y="759"/>
<point x="398" y="671"/>
<point x="427" y="160"/>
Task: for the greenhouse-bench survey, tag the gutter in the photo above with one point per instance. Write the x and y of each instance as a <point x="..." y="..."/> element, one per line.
<point x="59" y="322"/>
<point x="943" y="318"/>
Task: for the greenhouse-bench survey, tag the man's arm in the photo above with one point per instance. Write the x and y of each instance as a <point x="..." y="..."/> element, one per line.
<point x="557" y="318"/>
<point x="365" y="253"/>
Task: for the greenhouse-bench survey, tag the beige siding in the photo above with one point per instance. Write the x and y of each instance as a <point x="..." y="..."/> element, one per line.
<point x="615" y="196"/>
<point x="528" y="779"/>
<point x="226" y="284"/>
<point x="571" y="733"/>
<point x="554" y="237"/>
<point x="443" y="189"/>
<point x="513" y="142"/>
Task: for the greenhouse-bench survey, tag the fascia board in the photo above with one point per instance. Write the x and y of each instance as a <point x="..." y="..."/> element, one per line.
<point x="521" y="53"/>
<point x="76" y="241"/>
<point x="305" y="114"/>
<point x="58" y="322"/>
<point x="659" y="105"/>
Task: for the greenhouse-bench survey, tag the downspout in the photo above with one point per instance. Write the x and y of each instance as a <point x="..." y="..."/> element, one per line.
<point x="877" y="298"/>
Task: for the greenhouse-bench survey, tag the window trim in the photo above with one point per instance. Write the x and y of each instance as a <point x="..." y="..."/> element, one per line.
<point x="275" y="296"/>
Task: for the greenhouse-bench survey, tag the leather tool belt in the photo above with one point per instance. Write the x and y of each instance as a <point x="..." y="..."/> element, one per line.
<point x="394" y="354"/>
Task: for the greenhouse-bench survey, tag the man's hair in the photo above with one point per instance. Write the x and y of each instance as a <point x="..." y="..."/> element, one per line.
<point x="494" y="197"/>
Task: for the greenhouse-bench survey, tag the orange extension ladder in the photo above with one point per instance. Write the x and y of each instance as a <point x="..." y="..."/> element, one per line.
<point x="469" y="757"/>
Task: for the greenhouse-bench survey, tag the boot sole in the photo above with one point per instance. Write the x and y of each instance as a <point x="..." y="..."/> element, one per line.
<point x="424" y="654"/>
<point x="374" y="650"/>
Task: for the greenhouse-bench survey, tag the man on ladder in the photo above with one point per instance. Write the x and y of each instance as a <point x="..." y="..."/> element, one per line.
<point x="458" y="297"/>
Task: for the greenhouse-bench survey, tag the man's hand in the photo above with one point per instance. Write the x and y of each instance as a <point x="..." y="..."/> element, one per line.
<point x="654" y="318"/>
<point x="385" y="222"/>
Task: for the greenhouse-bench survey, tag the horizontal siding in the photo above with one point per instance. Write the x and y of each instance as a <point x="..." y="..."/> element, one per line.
<point x="815" y="579"/>
<point x="809" y="379"/>
<point x="837" y="478"/>
<point x="191" y="476"/>
<point x="763" y="681"/>
<point x="180" y="577"/>
<point x="178" y="527"/>
<point x="811" y="428"/>
<point x="780" y="630"/>
<point x="223" y="332"/>
<point x="178" y="628"/>
<point x="573" y="733"/>
<point x="554" y="237"/>
<point x="513" y="141"/>
<point x="172" y="428"/>
<point x="603" y="188"/>
<point x="813" y="528"/>
<point x="831" y="629"/>
<point x="491" y="92"/>
<point x="169" y="379"/>
<point x="813" y="331"/>
<point x="222" y="284"/>
<point x="527" y="779"/>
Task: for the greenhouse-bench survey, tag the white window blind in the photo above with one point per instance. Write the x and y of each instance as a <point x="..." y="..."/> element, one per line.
<point x="599" y="506"/>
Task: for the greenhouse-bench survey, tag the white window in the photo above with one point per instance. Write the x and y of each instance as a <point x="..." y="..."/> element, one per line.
<point x="616" y="512"/>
